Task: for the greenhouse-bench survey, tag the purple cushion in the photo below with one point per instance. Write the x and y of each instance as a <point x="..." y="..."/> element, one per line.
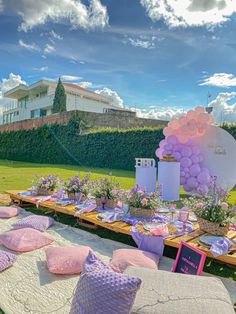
<point x="100" y="290"/>
<point x="40" y="223"/>
<point x="6" y="259"/>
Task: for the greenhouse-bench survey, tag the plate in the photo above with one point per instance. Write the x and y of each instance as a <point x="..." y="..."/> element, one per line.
<point x="163" y="210"/>
<point x="148" y="226"/>
<point x="209" y="240"/>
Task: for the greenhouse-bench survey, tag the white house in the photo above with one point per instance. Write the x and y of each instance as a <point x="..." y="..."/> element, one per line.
<point x="36" y="100"/>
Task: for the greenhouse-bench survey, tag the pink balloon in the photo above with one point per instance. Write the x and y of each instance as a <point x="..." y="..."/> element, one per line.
<point x="159" y="152"/>
<point x="203" y="117"/>
<point x="162" y="143"/>
<point x="174" y="124"/>
<point x="172" y="139"/>
<point x="192" y="182"/>
<point x="186" y="151"/>
<point x="200" y="109"/>
<point x="191" y="114"/>
<point x="194" y="170"/>
<point x="186" y="162"/>
<point x="183" y="139"/>
<point x="167" y="131"/>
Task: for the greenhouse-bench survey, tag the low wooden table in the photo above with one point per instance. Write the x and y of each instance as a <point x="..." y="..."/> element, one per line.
<point x="121" y="227"/>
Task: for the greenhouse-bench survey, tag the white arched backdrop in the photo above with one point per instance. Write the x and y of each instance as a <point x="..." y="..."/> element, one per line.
<point x="219" y="150"/>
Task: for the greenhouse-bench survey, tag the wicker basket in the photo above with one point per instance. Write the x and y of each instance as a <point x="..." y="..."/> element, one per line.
<point x="212" y="227"/>
<point x="141" y="212"/>
<point x="44" y="192"/>
<point x="110" y="204"/>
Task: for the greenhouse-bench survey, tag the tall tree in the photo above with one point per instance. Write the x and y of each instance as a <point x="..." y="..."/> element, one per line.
<point x="59" y="101"/>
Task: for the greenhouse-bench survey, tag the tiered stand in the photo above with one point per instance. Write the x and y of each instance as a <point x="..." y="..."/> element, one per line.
<point x="121" y="227"/>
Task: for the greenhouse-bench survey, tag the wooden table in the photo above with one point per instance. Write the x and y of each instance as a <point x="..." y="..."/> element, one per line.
<point x="121" y="227"/>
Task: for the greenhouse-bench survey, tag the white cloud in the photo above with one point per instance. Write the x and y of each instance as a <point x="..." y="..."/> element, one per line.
<point x="41" y="69"/>
<point x="86" y="84"/>
<point x="220" y="80"/>
<point x="159" y="113"/>
<point x="72" y="12"/>
<point x="141" y="41"/>
<point x="1" y="6"/>
<point x="11" y="82"/>
<point x="55" y="35"/>
<point x="190" y="12"/>
<point x="70" y="78"/>
<point x="49" y="49"/>
<point x="112" y="95"/>
<point x="222" y="110"/>
<point x="32" y="46"/>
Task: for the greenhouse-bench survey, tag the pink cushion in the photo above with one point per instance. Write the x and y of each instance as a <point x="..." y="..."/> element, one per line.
<point x="8" y="212"/>
<point x="123" y="258"/>
<point x="66" y="260"/>
<point x="24" y="240"/>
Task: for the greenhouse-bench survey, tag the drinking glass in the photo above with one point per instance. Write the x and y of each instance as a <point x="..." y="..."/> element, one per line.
<point x="183" y="217"/>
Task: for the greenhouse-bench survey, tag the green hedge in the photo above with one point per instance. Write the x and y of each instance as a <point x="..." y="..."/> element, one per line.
<point x="63" y="144"/>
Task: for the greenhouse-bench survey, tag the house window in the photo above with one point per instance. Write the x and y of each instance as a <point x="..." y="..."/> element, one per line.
<point x="38" y="113"/>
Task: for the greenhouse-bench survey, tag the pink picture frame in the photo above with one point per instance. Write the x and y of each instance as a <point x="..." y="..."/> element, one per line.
<point x="199" y="252"/>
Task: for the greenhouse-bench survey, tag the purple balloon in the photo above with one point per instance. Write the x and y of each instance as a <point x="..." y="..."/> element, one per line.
<point x="203" y="188"/>
<point x="194" y="170"/>
<point x="187" y="175"/>
<point x="186" y="151"/>
<point x="186" y="162"/>
<point x="168" y="147"/>
<point x="186" y="170"/>
<point x="203" y="177"/>
<point x="196" y="150"/>
<point x="176" y="155"/>
<point x="182" y="173"/>
<point x="175" y="148"/>
<point x="182" y="180"/>
<point x="200" y="157"/>
<point x="162" y="143"/>
<point x="172" y="139"/>
<point x="187" y="188"/>
<point x="195" y="159"/>
<point x="192" y="182"/>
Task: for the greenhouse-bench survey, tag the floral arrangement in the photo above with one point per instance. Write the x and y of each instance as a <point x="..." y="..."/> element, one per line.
<point x="214" y="207"/>
<point x="139" y="198"/>
<point x="46" y="183"/>
<point x="76" y="185"/>
<point x="106" y="188"/>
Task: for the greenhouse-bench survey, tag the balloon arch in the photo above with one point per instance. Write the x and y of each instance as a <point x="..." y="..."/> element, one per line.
<point x="179" y="142"/>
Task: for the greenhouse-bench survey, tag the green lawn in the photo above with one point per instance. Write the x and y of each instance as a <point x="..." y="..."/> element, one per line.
<point x="16" y="175"/>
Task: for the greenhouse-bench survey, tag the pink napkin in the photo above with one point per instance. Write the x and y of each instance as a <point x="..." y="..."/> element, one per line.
<point x="41" y="199"/>
<point x="88" y="209"/>
<point x="160" y="231"/>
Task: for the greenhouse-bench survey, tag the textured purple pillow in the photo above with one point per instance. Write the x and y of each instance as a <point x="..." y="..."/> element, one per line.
<point x="100" y="290"/>
<point x="6" y="260"/>
<point x="40" y="223"/>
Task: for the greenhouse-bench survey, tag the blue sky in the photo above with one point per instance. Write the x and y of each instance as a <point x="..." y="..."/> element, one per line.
<point x="153" y="56"/>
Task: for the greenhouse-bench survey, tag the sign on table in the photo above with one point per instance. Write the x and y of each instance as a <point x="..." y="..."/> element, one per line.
<point x="189" y="260"/>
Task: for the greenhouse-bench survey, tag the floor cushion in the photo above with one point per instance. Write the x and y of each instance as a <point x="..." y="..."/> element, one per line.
<point x="123" y="258"/>
<point x="100" y="290"/>
<point x="66" y="260"/>
<point x="8" y="212"/>
<point x="37" y="222"/>
<point x="24" y="240"/>
<point x="6" y="259"/>
<point x="166" y="293"/>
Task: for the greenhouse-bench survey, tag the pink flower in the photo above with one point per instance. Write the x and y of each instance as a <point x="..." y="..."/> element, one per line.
<point x="144" y="202"/>
<point x="199" y="205"/>
<point x="140" y="192"/>
<point x="224" y="205"/>
<point x="171" y="206"/>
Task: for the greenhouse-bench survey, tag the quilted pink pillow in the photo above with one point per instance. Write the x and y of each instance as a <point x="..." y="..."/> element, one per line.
<point x="24" y="240"/>
<point x="123" y="258"/>
<point x="8" y="212"/>
<point x="66" y="260"/>
<point x="37" y="222"/>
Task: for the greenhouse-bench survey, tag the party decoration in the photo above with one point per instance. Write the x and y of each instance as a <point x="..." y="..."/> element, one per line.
<point x="180" y="136"/>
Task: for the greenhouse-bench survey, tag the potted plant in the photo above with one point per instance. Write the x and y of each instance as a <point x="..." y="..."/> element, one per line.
<point x="45" y="185"/>
<point x="142" y="204"/>
<point x="74" y="187"/>
<point x="213" y="213"/>
<point x="106" y="192"/>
